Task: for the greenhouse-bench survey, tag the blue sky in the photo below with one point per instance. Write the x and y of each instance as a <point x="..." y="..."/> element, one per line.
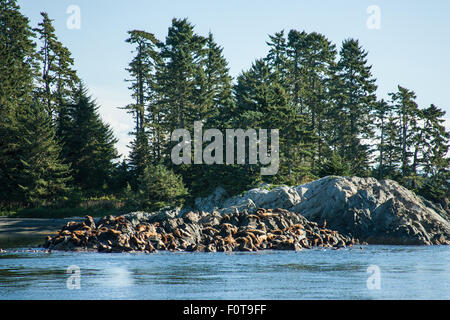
<point x="411" y="48"/>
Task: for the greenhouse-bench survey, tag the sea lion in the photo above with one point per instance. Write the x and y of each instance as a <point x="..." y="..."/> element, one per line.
<point x="229" y="240"/>
<point x="271" y="236"/>
<point x="114" y="232"/>
<point x="252" y="216"/>
<point x="141" y="228"/>
<point x="65" y="233"/>
<point x="79" y="233"/>
<point x="120" y="219"/>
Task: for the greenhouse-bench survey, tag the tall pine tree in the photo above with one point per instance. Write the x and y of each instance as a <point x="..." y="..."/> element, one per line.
<point x="88" y="146"/>
<point x="354" y="99"/>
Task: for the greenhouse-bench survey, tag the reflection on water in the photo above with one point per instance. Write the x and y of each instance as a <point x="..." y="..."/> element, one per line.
<point x="117" y="277"/>
<point x="406" y="273"/>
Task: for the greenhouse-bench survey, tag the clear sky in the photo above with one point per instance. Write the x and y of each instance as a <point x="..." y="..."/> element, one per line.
<point x="411" y="47"/>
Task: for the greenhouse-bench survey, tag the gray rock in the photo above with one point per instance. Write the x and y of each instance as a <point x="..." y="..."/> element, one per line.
<point x="372" y="210"/>
<point x="211" y="202"/>
<point x="365" y="208"/>
<point x="241" y="206"/>
<point x="163" y="214"/>
<point x="280" y="197"/>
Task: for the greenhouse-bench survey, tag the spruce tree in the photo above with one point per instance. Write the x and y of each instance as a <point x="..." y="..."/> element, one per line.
<point x="217" y="101"/>
<point x="354" y="101"/>
<point x="217" y="88"/>
<point x="142" y="71"/>
<point x="381" y="113"/>
<point x="435" y="160"/>
<point x="17" y="59"/>
<point x="88" y="146"/>
<point x="58" y="79"/>
<point x="407" y="110"/>
<point x="262" y="102"/>
<point x="278" y="58"/>
<point x="148" y="135"/>
<point x="42" y="178"/>
<point x="295" y="43"/>
<point x="31" y="171"/>
<point x="317" y="56"/>
<point x="182" y="52"/>
<point x="160" y="187"/>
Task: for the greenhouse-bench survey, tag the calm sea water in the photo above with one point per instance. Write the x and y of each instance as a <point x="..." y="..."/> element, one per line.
<point x="405" y="272"/>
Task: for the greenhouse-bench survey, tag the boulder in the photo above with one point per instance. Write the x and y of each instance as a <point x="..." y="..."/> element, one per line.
<point x="329" y="212"/>
<point x="280" y="197"/>
<point x="245" y="205"/>
<point x="379" y="212"/>
<point x="212" y="201"/>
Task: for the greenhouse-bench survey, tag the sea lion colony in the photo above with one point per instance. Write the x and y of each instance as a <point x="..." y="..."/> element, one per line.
<point x="276" y="229"/>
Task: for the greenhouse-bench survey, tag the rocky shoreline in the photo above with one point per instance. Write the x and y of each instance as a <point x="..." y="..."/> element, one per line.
<point x="375" y="211"/>
<point x="266" y="229"/>
<point x="330" y="212"/>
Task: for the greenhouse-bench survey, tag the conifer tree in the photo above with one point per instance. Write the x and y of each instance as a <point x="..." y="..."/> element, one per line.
<point x="317" y="55"/>
<point x="42" y="178"/>
<point x="435" y="161"/>
<point x="88" y="146"/>
<point x="31" y="172"/>
<point x="381" y="114"/>
<point x="148" y="133"/>
<point x="262" y="102"/>
<point x="17" y="57"/>
<point x="354" y="97"/>
<point x="392" y="151"/>
<point x="278" y="58"/>
<point x="407" y="110"/>
<point x="182" y="52"/>
<point x="295" y="43"/>
<point x="58" y="79"/>
<point x="160" y="187"/>
<point x="217" y="101"/>
<point x="217" y="88"/>
<point x="142" y="71"/>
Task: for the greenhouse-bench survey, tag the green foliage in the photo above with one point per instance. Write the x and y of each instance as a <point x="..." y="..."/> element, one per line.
<point x="57" y="80"/>
<point x="43" y="178"/>
<point x="335" y="166"/>
<point x="436" y="188"/>
<point x="57" y="156"/>
<point x="88" y="145"/>
<point x="353" y="90"/>
<point x="159" y="187"/>
<point x="17" y="59"/>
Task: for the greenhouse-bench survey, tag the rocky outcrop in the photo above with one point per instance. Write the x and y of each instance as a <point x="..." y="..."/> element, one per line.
<point x="193" y="231"/>
<point x="332" y="211"/>
<point x="375" y="211"/>
<point x="281" y="197"/>
<point x="379" y="212"/>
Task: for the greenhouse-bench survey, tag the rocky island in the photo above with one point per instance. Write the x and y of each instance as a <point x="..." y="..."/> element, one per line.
<point x="331" y="212"/>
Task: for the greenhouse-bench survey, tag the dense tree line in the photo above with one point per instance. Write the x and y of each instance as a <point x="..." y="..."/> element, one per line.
<point x="322" y="99"/>
<point x="55" y="148"/>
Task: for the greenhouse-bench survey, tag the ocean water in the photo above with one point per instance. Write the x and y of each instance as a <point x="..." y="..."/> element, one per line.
<point x="373" y="272"/>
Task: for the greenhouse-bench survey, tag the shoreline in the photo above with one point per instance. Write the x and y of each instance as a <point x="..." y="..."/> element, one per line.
<point x="29" y="231"/>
